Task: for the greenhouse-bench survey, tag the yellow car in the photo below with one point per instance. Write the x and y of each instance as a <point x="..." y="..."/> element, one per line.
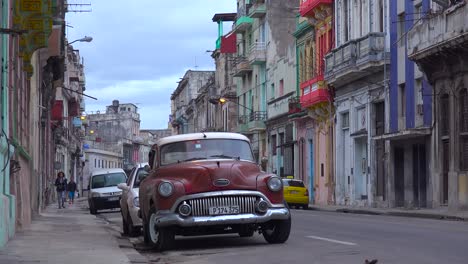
<point x="295" y="193"/>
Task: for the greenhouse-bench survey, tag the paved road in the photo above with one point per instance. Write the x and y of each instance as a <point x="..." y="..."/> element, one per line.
<point x="323" y="237"/>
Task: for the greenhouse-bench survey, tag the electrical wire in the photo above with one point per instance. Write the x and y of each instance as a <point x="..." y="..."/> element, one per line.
<point x="8" y="153"/>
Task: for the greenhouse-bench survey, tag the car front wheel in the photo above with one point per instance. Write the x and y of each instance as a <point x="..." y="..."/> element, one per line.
<point x="277" y="231"/>
<point x="158" y="238"/>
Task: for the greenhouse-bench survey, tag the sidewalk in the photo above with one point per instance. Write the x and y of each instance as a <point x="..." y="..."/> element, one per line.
<point x="439" y="213"/>
<point x="70" y="236"/>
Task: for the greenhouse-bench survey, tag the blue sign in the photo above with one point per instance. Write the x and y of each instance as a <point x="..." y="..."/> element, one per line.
<point x="77" y="122"/>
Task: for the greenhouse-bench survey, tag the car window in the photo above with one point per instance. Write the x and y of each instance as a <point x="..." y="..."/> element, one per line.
<point x="130" y="179"/>
<point x="108" y="180"/>
<point x="140" y="175"/>
<point x="205" y="149"/>
<point x="293" y="183"/>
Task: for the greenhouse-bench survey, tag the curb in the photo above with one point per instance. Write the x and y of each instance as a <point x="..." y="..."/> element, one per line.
<point x="400" y="214"/>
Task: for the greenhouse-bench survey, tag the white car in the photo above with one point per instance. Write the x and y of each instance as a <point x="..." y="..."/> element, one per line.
<point x="103" y="191"/>
<point x="129" y="204"/>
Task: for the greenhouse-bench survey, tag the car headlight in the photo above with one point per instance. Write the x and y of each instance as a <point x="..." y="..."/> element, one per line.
<point x="136" y="202"/>
<point x="274" y="184"/>
<point x="165" y="189"/>
<point x="95" y="194"/>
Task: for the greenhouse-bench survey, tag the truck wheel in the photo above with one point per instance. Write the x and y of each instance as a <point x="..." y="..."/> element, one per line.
<point x="159" y="238"/>
<point x="277" y="231"/>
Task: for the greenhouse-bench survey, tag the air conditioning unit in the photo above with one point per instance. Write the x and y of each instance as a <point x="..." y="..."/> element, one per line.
<point x="419" y="109"/>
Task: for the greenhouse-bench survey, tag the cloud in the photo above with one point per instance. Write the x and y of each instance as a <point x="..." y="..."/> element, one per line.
<point x="141" y="48"/>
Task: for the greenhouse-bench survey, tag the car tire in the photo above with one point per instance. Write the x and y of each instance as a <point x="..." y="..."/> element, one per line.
<point x="158" y="238"/>
<point x="277" y="231"/>
<point x="305" y="206"/>
<point x="92" y="209"/>
<point x="132" y="230"/>
<point x="124" y="225"/>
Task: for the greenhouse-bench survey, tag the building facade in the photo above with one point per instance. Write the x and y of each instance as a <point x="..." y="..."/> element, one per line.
<point x="183" y="100"/>
<point x="357" y="69"/>
<point x="438" y="44"/>
<point x="317" y="97"/>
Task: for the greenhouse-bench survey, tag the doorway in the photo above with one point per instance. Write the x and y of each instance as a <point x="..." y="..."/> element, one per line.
<point x="419" y="175"/>
<point x="311" y="171"/>
<point x="399" y="159"/>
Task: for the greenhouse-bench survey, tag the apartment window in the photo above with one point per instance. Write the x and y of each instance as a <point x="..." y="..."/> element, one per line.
<point x="401" y="29"/>
<point x="272" y="95"/>
<point x="379" y="118"/>
<point x="95" y="163"/>
<point x="345" y="20"/>
<point x="417" y="12"/>
<point x="402" y="97"/>
<point x="464" y="129"/>
<point x="281" y="87"/>
<point x="444" y="115"/>
<point x="345" y="120"/>
<point x="273" y="145"/>
<point x="281" y="140"/>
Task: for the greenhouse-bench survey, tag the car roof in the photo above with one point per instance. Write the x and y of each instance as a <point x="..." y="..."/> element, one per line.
<point x="200" y="135"/>
<point x="106" y="171"/>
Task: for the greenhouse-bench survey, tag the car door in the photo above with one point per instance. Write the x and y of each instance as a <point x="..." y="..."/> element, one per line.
<point x="125" y="193"/>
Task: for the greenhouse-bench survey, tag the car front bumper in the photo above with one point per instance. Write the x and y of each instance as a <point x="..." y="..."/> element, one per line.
<point x="167" y="218"/>
<point x="107" y="202"/>
<point x="136" y="220"/>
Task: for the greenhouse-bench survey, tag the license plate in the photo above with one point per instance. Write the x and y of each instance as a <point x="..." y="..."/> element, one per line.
<point x="113" y="198"/>
<point x="293" y="192"/>
<point x="222" y="210"/>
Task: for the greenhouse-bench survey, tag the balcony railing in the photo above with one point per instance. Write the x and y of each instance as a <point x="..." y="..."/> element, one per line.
<point x="243" y="67"/>
<point x="307" y="6"/>
<point x="257" y="54"/>
<point x="314" y="92"/>
<point x="347" y="62"/>
<point x="294" y="105"/>
<point x="257" y="120"/>
<point x="258" y="9"/>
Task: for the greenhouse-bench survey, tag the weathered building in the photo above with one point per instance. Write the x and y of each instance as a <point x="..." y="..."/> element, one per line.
<point x="266" y="79"/>
<point x="304" y="124"/>
<point x="316" y="97"/>
<point x="225" y="114"/>
<point x="117" y="128"/>
<point x="437" y="169"/>
<point x="98" y="157"/>
<point x="357" y="69"/>
<point x="183" y="100"/>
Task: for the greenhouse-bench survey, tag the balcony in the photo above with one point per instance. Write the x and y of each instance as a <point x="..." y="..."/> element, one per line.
<point x="309" y="7"/>
<point x="314" y="92"/>
<point x="243" y="23"/>
<point x="242" y="124"/>
<point x="243" y="67"/>
<point x="294" y="105"/>
<point x="257" y="54"/>
<point x="355" y="58"/>
<point x="258" y="10"/>
<point x="257" y="121"/>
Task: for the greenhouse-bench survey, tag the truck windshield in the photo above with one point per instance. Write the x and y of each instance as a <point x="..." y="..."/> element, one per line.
<point x="108" y="180"/>
<point x="201" y="149"/>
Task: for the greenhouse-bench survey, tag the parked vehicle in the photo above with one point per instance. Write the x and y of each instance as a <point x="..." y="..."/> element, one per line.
<point x="295" y="193"/>
<point x="129" y="204"/>
<point x="103" y="191"/>
<point x="209" y="183"/>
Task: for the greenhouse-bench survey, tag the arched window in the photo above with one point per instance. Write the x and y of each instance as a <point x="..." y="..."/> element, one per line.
<point x="312" y="61"/>
<point x="301" y="67"/>
<point x="463" y="97"/>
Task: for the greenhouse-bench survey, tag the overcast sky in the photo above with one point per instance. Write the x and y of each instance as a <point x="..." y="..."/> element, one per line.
<point x="141" y="48"/>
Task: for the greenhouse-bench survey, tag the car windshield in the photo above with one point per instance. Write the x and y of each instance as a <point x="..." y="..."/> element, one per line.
<point x="293" y="183"/>
<point x="140" y="175"/>
<point x="206" y="149"/>
<point x="108" y="180"/>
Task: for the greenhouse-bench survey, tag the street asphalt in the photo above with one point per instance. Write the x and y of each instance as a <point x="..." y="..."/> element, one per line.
<point x="326" y="237"/>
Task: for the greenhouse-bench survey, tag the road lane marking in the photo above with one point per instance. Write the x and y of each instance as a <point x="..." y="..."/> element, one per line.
<point x="333" y="240"/>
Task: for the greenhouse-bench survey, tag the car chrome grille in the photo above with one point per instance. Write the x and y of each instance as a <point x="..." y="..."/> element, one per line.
<point x="200" y="206"/>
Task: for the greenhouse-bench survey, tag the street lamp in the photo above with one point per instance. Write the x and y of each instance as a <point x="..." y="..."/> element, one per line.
<point x="223" y="100"/>
<point x="84" y="39"/>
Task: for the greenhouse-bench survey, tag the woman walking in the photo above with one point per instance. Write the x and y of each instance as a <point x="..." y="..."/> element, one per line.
<point x="61" y="185"/>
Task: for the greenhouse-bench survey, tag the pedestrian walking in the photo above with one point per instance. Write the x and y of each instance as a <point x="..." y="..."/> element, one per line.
<point x="61" y="187"/>
<point x="71" y="188"/>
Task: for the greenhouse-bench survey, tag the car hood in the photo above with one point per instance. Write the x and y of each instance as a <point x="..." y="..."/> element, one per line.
<point x="211" y="175"/>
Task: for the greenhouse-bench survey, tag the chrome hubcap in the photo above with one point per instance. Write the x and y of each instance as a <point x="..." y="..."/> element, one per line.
<point x="153" y="229"/>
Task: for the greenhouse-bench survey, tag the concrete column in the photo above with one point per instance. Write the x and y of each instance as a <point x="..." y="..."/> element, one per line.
<point x="408" y="170"/>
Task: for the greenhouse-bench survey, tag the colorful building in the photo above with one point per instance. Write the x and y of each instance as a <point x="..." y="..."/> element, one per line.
<point x="316" y="96"/>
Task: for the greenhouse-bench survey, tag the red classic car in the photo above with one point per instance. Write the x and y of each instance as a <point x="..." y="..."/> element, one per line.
<point x="209" y="183"/>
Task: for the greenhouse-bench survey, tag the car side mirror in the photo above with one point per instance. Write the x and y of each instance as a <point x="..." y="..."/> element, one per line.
<point x="123" y="186"/>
